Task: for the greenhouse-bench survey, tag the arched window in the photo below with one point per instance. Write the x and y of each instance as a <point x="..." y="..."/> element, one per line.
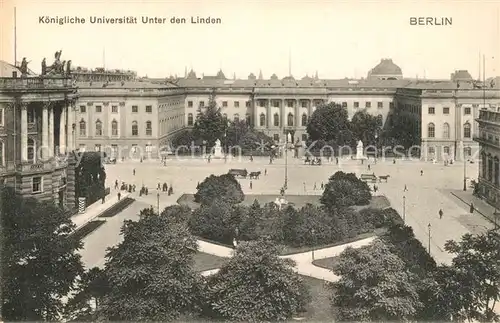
<point x="446" y="130"/>
<point x="2" y="153"/>
<point x="290" y="119"/>
<point x="248" y="118"/>
<point x="276" y="118"/>
<point x="304" y="120"/>
<point x="236" y="117"/>
<point x="190" y="119"/>
<point x="135" y="128"/>
<point x="31" y="150"/>
<point x="431" y="130"/>
<point x="149" y="128"/>
<point x="98" y="128"/>
<point x="466" y="130"/>
<point x="83" y="128"/>
<point x="262" y="121"/>
<point x="114" y="128"/>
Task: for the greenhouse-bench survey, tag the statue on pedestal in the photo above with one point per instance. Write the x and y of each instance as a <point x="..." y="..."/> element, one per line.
<point x="57" y="67"/>
<point x="44" y="67"/>
<point x="217" y="149"/>
<point x="68" y="68"/>
<point x="24" y="67"/>
<point x="359" y="151"/>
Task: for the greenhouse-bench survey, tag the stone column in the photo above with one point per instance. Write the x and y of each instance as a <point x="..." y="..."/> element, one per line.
<point x="24" y="132"/>
<point x="51" y="131"/>
<point x="69" y="130"/>
<point x="310" y="108"/>
<point x="283" y="114"/>
<point x="45" y="131"/>
<point x="269" y="116"/>
<point x="62" y="132"/>
<point x="298" y="115"/>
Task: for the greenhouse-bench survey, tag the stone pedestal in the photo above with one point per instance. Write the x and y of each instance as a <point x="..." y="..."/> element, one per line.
<point x="359" y="151"/>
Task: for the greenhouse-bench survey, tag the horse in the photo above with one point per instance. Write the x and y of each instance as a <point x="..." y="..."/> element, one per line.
<point x="255" y="175"/>
<point x="383" y="177"/>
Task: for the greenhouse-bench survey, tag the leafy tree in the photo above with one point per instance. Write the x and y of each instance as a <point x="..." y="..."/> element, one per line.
<point x="374" y="286"/>
<point x="330" y="122"/>
<point x="150" y="273"/>
<point x="401" y="128"/>
<point x="256" y="285"/>
<point x="476" y="271"/>
<point x="365" y="127"/>
<point x="177" y="213"/>
<point x="210" y="125"/>
<point x="343" y="190"/>
<point x="214" y="222"/>
<point x="224" y="187"/>
<point x="40" y="262"/>
<point x="90" y="176"/>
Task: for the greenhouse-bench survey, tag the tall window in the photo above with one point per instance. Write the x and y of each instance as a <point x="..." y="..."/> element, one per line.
<point x="98" y="109"/>
<point x="304" y="120"/>
<point x="149" y="109"/>
<point x="135" y="109"/>
<point x="98" y="128"/>
<point x="290" y="119"/>
<point x="31" y="115"/>
<point x="135" y="128"/>
<point x="446" y="130"/>
<point x="496" y="170"/>
<point x="236" y="117"/>
<point x="149" y="128"/>
<point x="2" y="161"/>
<point x="484" y="162"/>
<point x="114" y="128"/>
<point x="276" y="120"/>
<point x="31" y="150"/>
<point x="468" y="151"/>
<point x="114" y="109"/>
<point x="262" y="119"/>
<point x="190" y="119"/>
<point x="467" y="130"/>
<point x="1" y="116"/>
<point x="83" y="129"/>
<point x="490" y="168"/>
<point x="36" y="184"/>
<point x="431" y="130"/>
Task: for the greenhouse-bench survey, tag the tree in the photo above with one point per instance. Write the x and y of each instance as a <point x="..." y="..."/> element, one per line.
<point x="213" y="222"/>
<point x="210" y="125"/>
<point x="150" y="273"/>
<point x="177" y="213"/>
<point x="256" y="285"/>
<point x="40" y="262"/>
<point x="374" y="286"/>
<point x="401" y="128"/>
<point x="365" y="127"/>
<point x="90" y="176"/>
<point x="223" y="187"/>
<point x="344" y="190"/>
<point x="476" y="270"/>
<point x="330" y="123"/>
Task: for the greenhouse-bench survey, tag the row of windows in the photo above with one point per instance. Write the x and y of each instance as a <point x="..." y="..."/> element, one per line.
<point x="114" y="109"/>
<point x="114" y="128"/>
<point x="431" y="130"/>
<point x="446" y="110"/>
<point x="446" y="149"/>
<point x="225" y="104"/>
<point x="490" y="164"/>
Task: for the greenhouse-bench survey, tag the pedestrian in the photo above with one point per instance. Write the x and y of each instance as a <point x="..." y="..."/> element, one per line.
<point x="133" y="171"/>
<point x="375" y="188"/>
<point x="394" y="161"/>
<point x="406" y="189"/>
<point x="336" y="160"/>
<point x="314" y="186"/>
<point x="103" y="198"/>
<point x="304" y="186"/>
<point x="322" y="186"/>
<point x="251" y="184"/>
<point x="116" y="184"/>
<point x="251" y="158"/>
<point x="471" y="210"/>
<point x="421" y="173"/>
<point x="119" y="196"/>
<point x="158" y="187"/>
<point x="440" y="213"/>
<point x="369" y="168"/>
<point x="265" y="171"/>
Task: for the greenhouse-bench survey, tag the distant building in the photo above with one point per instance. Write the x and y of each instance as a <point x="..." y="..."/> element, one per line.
<point x="461" y="75"/>
<point x="385" y="70"/>
<point x="82" y="74"/>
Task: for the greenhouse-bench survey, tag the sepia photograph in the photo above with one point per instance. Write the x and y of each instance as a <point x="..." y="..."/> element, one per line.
<point x="316" y="161"/>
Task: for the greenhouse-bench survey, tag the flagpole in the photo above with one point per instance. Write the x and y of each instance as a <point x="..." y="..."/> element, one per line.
<point x="15" y="37"/>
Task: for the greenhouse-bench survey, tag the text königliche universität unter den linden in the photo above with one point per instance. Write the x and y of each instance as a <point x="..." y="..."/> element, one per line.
<point x="128" y="20"/>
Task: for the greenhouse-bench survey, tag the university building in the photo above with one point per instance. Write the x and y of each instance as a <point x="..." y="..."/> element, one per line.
<point x="35" y="132"/>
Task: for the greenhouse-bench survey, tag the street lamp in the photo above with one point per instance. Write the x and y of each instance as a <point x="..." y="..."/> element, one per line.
<point x="286" y="160"/>
<point x="404" y="209"/>
<point x="314" y="241"/>
<point x="429" y="233"/>
<point x="158" y="202"/>
<point x="465" y="171"/>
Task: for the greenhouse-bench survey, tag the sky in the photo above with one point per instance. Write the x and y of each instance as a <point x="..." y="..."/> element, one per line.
<point x="336" y="38"/>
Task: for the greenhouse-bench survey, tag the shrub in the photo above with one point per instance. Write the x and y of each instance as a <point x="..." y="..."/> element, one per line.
<point x="213" y="222"/>
<point x="343" y="190"/>
<point x="224" y="187"/>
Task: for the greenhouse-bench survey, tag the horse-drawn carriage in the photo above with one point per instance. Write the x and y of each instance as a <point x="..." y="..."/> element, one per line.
<point x="238" y="172"/>
<point x="312" y="161"/>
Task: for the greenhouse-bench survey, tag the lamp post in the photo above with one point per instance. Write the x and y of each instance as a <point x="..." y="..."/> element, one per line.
<point x="404" y="209"/>
<point x="158" y="202"/>
<point x="314" y="240"/>
<point x="286" y="160"/>
<point x="429" y="233"/>
<point x="465" y="171"/>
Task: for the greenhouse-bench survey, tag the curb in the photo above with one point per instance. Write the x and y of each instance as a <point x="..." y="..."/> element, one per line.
<point x="475" y="209"/>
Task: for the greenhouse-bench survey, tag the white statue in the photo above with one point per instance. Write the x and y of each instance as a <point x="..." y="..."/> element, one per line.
<point x="289" y="138"/>
<point x="359" y="151"/>
<point x="217" y="143"/>
<point x="360" y="144"/>
<point x="217" y="150"/>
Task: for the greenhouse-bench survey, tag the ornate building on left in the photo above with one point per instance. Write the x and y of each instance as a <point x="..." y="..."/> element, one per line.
<point x="37" y="131"/>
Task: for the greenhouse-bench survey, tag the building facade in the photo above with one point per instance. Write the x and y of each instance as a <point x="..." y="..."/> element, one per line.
<point x="35" y="131"/>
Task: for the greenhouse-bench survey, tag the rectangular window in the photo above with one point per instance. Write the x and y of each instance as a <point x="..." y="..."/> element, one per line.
<point x="1" y="116"/>
<point x="114" y="109"/>
<point x="431" y="110"/>
<point x="368" y="104"/>
<point x="83" y="109"/>
<point x="36" y="184"/>
<point x="98" y="109"/>
<point x="431" y="150"/>
<point x="344" y="104"/>
<point x="190" y="104"/>
<point x="149" y="131"/>
<point x="467" y="111"/>
<point x="290" y="103"/>
<point x="135" y="109"/>
<point x="446" y="110"/>
<point x="391" y="105"/>
<point x="236" y="104"/>
<point x="276" y="103"/>
<point x="149" y="109"/>
<point x="224" y="104"/>
<point x="304" y="104"/>
<point x="202" y="104"/>
<point x="114" y="150"/>
<point x="249" y="104"/>
<point x="356" y="105"/>
<point x="380" y="105"/>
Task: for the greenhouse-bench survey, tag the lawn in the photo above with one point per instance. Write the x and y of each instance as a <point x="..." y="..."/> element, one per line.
<point x="204" y="261"/>
<point x="319" y="309"/>
<point x="379" y="202"/>
<point x="326" y="263"/>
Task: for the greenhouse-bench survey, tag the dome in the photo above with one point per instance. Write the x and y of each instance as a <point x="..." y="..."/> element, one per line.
<point x="288" y="79"/>
<point x="251" y="77"/>
<point x="386" y="68"/>
<point x="221" y="75"/>
<point x="307" y="78"/>
<point x="274" y="77"/>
